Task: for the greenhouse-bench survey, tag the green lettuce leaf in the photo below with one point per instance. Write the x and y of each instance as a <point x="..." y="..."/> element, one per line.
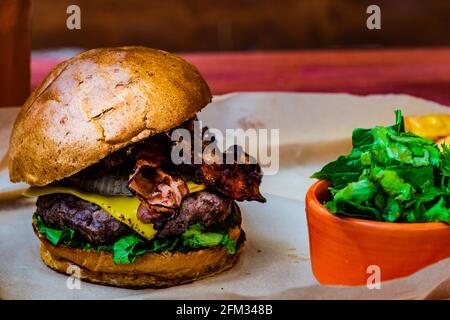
<point x="390" y="175"/>
<point x="445" y="160"/>
<point x="196" y="237"/>
<point x="344" y="170"/>
<point x="55" y="236"/>
<point x="128" y="248"/>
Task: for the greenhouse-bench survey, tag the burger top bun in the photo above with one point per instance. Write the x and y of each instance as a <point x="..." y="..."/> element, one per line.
<point x="98" y="102"/>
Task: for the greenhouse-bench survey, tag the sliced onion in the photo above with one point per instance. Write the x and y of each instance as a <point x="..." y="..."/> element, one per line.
<point x="107" y="184"/>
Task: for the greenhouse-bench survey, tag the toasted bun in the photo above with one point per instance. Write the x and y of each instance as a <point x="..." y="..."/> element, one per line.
<point x="149" y="271"/>
<point x="98" y="102"/>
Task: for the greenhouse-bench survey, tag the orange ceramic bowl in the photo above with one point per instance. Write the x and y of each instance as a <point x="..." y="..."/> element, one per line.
<point x="343" y="250"/>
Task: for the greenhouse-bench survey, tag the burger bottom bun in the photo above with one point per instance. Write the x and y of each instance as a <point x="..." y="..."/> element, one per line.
<point x="150" y="270"/>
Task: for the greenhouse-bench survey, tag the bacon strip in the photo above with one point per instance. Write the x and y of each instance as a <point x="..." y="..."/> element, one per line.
<point x="239" y="181"/>
<point x="160" y="193"/>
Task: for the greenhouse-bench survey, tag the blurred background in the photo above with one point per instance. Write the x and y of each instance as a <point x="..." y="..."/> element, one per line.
<point x="230" y="25"/>
<point x="245" y="45"/>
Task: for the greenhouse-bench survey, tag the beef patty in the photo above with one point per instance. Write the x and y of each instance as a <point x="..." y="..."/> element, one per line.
<point x="90" y="222"/>
<point x="96" y="226"/>
<point x="204" y="206"/>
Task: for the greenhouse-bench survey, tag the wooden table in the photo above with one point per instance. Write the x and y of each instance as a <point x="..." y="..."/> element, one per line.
<point x="420" y="72"/>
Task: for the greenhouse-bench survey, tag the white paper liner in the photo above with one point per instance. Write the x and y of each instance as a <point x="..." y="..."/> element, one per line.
<point x="314" y="129"/>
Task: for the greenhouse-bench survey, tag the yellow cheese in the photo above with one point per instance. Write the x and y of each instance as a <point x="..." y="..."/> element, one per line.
<point x="193" y="187"/>
<point x="121" y="208"/>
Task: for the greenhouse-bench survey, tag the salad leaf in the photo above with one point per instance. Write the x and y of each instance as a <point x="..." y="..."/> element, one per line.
<point x="438" y="212"/>
<point x="55" y="236"/>
<point x="417" y="177"/>
<point x="344" y="170"/>
<point x="196" y="237"/>
<point x="392" y="184"/>
<point x="445" y="160"/>
<point x="390" y="175"/>
<point x="128" y="248"/>
<point x="352" y="209"/>
<point x="357" y="192"/>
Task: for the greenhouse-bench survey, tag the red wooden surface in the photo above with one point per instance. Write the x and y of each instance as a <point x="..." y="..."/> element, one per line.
<point x="419" y="72"/>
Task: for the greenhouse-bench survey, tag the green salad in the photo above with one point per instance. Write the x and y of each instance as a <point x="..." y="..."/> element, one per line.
<point x="390" y="175"/>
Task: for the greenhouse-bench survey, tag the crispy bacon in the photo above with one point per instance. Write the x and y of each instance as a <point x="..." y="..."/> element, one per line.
<point x="160" y="193"/>
<point x="236" y="181"/>
<point x="239" y="180"/>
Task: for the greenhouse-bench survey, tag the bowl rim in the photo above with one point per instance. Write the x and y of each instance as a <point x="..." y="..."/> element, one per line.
<point x="324" y="213"/>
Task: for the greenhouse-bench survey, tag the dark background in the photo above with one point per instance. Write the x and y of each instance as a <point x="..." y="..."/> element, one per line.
<point x="231" y="25"/>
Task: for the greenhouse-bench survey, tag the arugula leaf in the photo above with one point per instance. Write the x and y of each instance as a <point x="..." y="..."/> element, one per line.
<point x="390" y="175"/>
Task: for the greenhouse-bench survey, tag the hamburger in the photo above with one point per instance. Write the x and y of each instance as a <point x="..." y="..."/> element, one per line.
<point x="95" y="143"/>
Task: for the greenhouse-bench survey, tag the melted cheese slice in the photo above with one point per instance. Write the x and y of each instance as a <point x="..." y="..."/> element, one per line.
<point x="193" y="187"/>
<point x="122" y="208"/>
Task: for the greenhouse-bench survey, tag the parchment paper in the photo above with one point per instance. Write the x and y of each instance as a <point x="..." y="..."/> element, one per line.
<point x="314" y="129"/>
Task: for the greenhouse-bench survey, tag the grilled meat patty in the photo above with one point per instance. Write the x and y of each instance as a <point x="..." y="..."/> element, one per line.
<point x="96" y="226"/>
<point x="90" y="222"/>
<point x="204" y="206"/>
